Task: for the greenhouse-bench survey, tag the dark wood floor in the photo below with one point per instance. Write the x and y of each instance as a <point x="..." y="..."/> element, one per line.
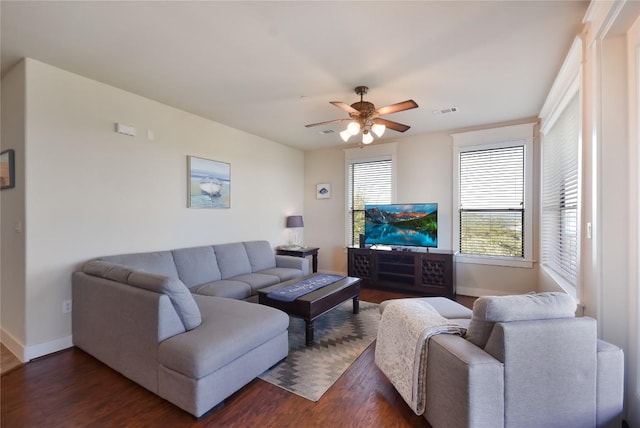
<point x="72" y="389"/>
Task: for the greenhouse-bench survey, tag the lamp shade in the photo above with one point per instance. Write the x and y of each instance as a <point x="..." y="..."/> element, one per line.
<point x="295" y="221"/>
<point x="378" y="129"/>
<point x="367" y="138"/>
<point x="353" y="128"/>
<point x="345" y="135"/>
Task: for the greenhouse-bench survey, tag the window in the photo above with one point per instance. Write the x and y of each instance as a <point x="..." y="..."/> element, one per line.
<point x="492" y="202"/>
<point x="560" y="189"/>
<point x="493" y="196"/>
<point x="368" y="182"/>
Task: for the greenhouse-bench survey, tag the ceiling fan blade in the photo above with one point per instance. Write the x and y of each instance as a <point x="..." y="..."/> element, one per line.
<point x="392" y="125"/>
<point x="345" y="107"/>
<point x="394" y="108"/>
<point x="326" y="122"/>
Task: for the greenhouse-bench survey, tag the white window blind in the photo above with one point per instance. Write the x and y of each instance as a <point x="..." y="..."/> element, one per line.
<point x="369" y="182"/>
<point x="559" y="226"/>
<point x="492" y="201"/>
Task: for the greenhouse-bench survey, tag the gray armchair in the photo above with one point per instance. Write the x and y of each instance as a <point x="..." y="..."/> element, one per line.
<point x="525" y="361"/>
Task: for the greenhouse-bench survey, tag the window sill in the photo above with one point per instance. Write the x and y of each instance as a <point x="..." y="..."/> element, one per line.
<point x="494" y="261"/>
<point x="563" y="284"/>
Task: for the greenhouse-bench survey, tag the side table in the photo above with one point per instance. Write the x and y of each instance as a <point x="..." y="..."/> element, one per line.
<point x="300" y="252"/>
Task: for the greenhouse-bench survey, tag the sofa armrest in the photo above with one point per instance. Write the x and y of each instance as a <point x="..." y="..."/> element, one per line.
<point x="293" y="262"/>
<point x="610" y="385"/>
<point x="546" y="361"/>
<point x="465" y="385"/>
<point x="122" y="325"/>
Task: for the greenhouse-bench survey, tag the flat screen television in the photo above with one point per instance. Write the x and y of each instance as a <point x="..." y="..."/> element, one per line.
<point x="404" y="225"/>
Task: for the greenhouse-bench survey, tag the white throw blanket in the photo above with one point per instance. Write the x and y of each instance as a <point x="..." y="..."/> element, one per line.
<point x="401" y="346"/>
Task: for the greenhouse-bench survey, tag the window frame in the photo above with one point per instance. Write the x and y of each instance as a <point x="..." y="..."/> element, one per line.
<point x="573" y="90"/>
<point x="487" y="200"/>
<point x="472" y="144"/>
<point x="378" y="152"/>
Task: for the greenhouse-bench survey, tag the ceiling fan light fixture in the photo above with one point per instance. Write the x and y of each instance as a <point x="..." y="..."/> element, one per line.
<point x="364" y="117"/>
<point x="367" y="138"/>
<point x="345" y="135"/>
<point x="353" y="128"/>
<point x="378" y="129"/>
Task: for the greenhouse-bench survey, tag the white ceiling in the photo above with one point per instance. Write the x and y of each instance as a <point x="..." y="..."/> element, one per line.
<point x="269" y="68"/>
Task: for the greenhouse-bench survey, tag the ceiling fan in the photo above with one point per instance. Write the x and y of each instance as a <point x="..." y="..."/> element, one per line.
<point x="363" y="116"/>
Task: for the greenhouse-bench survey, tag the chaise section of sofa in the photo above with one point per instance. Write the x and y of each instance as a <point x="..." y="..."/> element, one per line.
<point x="235" y="343"/>
<point x="192" y="350"/>
<point x="176" y="321"/>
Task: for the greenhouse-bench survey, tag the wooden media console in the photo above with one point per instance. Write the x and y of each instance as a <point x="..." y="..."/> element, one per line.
<point x="425" y="273"/>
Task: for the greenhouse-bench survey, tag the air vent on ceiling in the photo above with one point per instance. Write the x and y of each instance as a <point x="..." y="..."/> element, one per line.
<point x="445" y="110"/>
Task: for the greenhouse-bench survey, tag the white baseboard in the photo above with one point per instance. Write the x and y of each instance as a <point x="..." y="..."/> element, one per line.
<point x="12" y="345"/>
<point x="478" y="292"/>
<point x="47" y="348"/>
<point x="28" y="353"/>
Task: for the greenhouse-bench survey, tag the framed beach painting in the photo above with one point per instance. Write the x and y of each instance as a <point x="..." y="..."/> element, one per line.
<point x="209" y="183"/>
<point x="7" y="169"/>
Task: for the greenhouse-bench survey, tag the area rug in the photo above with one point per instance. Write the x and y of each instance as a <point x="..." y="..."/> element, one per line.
<point x="340" y="336"/>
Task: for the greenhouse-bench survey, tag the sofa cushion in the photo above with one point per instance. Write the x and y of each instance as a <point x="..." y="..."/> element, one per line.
<point x="230" y="328"/>
<point x="108" y="270"/>
<point x="285" y="274"/>
<point x="491" y="309"/>
<point x="445" y="307"/>
<point x="158" y="262"/>
<point x="232" y="260"/>
<point x="197" y="265"/>
<point x="224" y="288"/>
<point x="257" y="280"/>
<point x="261" y="255"/>
<point x="178" y="293"/>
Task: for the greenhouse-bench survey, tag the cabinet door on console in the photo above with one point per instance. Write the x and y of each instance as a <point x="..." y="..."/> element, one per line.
<point x="360" y="263"/>
<point x="437" y="274"/>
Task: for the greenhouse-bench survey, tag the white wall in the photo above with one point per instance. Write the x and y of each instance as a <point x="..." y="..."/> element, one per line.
<point x="609" y="259"/>
<point x="12" y="243"/>
<point x="92" y="192"/>
<point x="424" y="173"/>
<point x="613" y="193"/>
<point x="324" y="218"/>
<point x="633" y="72"/>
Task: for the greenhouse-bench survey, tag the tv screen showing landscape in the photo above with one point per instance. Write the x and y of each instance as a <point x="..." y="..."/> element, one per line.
<point x="411" y="225"/>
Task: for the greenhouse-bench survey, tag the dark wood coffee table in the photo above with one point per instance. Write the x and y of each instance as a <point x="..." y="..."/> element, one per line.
<point x="318" y="302"/>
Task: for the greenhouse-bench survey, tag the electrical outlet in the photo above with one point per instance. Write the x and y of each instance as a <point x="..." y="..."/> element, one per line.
<point x="66" y="306"/>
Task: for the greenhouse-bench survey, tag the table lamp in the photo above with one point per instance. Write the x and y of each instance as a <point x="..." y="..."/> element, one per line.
<point x="295" y="222"/>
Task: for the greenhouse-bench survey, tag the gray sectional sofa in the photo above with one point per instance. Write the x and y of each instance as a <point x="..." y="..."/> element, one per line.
<point x="177" y="322"/>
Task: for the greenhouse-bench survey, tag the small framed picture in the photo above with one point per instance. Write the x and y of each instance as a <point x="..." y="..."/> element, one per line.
<point x="209" y="183"/>
<point x="7" y="169"/>
<point x="323" y="191"/>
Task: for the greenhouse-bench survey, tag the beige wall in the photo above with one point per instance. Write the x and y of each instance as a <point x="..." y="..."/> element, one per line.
<point x="424" y="173"/>
<point x="325" y="218"/>
<point x="608" y="283"/>
<point x="633" y="67"/>
<point x="12" y="242"/>
<point x="92" y="192"/>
